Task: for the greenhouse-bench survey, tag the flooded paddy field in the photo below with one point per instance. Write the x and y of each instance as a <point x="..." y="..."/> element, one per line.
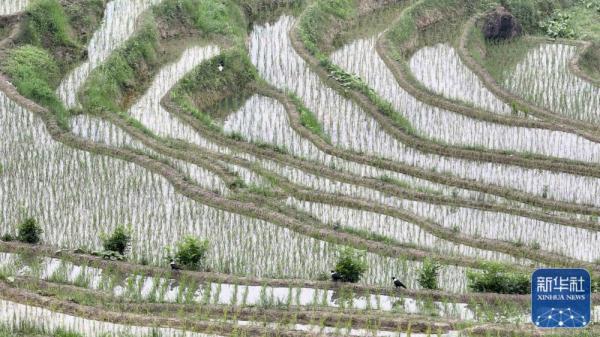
<point x="278" y="177"/>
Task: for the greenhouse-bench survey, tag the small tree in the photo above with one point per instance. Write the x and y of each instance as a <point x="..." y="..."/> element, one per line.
<point x="29" y="231"/>
<point x="118" y="241"/>
<point x="191" y="252"/>
<point x="351" y="265"/>
<point x="428" y="275"/>
<point x="497" y="279"/>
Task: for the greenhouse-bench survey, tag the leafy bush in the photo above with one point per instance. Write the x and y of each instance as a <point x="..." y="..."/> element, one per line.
<point x="118" y="241"/>
<point x="191" y="253"/>
<point x="428" y="275"/>
<point x="351" y="265"/>
<point x="6" y="237"/>
<point x="497" y="279"/>
<point x="558" y="26"/>
<point x="29" y="231"/>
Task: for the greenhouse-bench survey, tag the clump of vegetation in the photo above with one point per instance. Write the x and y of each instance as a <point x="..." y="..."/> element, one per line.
<point x="558" y="25"/>
<point x="47" y="25"/>
<point x="7" y="237"/>
<point x="124" y="72"/>
<point x="118" y="241"/>
<point x="209" y="86"/>
<point x="29" y="231"/>
<point x="496" y="278"/>
<point x="428" y="275"/>
<point x="212" y="19"/>
<point x="35" y="73"/>
<point x="190" y="253"/>
<point x="308" y="119"/>
<point x="351" y="265"/>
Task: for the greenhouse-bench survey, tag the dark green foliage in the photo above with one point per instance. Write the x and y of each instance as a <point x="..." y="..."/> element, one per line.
<point x="428" y="275"/>
<point x="118" y="241"/>
<point x="237" y="73"/>
<point x="7" y="237"/>
<point x="191" y="253"/>
<point x="496" y="278"/>
<point x="29" y="231"/>
<point x="351" y="265"/>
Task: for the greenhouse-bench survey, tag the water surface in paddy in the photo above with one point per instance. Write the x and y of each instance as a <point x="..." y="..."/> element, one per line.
<point x="264" y="119"/>
<point x="360" y="57"/>
<point x="352" y="128"/>
<point x="75" y="196"/>
<point x="9" y="7"/>
<point x="543" y="77"/>
<point x="440" y="69"/>
<point x="119" y="24"/>
<point x="162" y="289"/>
<point x="16" y="315"/>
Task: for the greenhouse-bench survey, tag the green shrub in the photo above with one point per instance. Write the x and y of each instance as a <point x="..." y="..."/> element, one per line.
<point x="6" y="237"/>
<point x="191" y="253"/>
<point x="428" y="275"/>
<point x="496" y="278"/>
<point x="118" y="241"/>
<point x="29" y="231"/>
<point x="558" y="26"/>
<point x="351" y="265"/>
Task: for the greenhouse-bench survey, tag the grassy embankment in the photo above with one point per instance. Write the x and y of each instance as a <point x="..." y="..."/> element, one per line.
<point x="52" y="42"/>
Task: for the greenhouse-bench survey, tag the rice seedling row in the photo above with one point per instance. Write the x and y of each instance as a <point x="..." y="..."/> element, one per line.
<point x="119" y="23"/>
<point x="440" y="69"/>
<point x="351" y="128"/>
<point x="11" y="7"/>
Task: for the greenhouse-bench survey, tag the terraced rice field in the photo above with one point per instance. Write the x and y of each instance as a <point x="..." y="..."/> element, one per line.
<point x="290" y="145"/>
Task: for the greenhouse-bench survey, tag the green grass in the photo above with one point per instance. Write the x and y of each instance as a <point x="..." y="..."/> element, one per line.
<point x="47" y="25"/>
<point x="205" y="88"/>
<point x="124" y="72"/>
<point x="585" y="21"/>
<point x="34" y="73"/>
<point x="308" y="119"/>
<point x="316" y="20"/>
<point x="498" y="57"/>
<point x="213" y="18"/>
